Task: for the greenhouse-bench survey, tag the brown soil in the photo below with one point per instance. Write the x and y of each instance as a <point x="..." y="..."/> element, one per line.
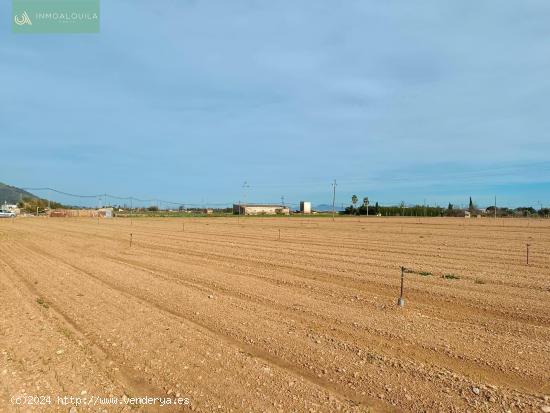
<point x="234" y="319"/>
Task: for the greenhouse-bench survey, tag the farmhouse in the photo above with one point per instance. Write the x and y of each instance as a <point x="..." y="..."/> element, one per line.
<point x="260" y="209"/>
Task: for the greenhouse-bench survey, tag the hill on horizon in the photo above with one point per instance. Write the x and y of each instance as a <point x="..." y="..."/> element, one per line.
<point x="327" y="207"/>
<point x="12" y="194"/>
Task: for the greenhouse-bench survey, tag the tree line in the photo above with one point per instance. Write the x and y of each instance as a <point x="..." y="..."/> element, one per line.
<point x="31" y="205"/>
<point x="437" y="211"/>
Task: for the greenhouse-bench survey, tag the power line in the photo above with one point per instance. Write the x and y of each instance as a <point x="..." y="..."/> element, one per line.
<point x="133" y="199"/>
<point x="117" y="197"/>
<point x="333" y="199"/>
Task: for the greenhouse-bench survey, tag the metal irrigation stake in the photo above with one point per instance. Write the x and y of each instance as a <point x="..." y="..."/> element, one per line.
<point x="401" y="300"/>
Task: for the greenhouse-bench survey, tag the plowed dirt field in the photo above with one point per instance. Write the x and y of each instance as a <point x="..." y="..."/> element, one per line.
<point x="223" y="313"/>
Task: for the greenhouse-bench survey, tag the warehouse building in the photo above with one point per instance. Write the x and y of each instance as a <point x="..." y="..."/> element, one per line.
<point x="260" y="209"/>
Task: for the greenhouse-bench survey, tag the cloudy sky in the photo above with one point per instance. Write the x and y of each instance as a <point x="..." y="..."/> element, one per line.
<point x="185" y="100"/>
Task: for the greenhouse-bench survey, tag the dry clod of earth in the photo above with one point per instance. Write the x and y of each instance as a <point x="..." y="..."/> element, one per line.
<point x="308" y="323"/>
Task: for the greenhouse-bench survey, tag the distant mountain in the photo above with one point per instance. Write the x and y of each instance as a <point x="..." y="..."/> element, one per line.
<point x="326" y="207"/>
<point x="12" y="195"/>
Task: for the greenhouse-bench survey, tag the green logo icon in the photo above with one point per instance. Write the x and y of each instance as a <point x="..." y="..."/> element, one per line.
<point x="23" y="19"/>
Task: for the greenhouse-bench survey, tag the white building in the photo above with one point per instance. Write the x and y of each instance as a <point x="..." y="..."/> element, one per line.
<point x="260" y="209"/>
<point x="105" y="212"/>
<point x="9" y="208"/>
<point x="305" y="207"/>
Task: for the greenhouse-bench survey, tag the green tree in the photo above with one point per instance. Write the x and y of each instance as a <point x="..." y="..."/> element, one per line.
<point x="353" y="201"/>
<point x="471" y="206"/>
<point x="30" y="205"/>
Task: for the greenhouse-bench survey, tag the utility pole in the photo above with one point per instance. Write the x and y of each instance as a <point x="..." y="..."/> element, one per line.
<point x="282" y="200"/>
<point x="495" y="207"/>
<point x="245" y="187"/>
<point x="334" y="198"/>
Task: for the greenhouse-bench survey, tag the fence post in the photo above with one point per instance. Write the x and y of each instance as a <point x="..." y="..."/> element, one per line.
<point x="401" y="300"/>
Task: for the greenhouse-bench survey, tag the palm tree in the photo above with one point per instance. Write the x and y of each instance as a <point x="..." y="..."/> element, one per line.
<point x="353" y="201"/>
<point x="366" y="204"/>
